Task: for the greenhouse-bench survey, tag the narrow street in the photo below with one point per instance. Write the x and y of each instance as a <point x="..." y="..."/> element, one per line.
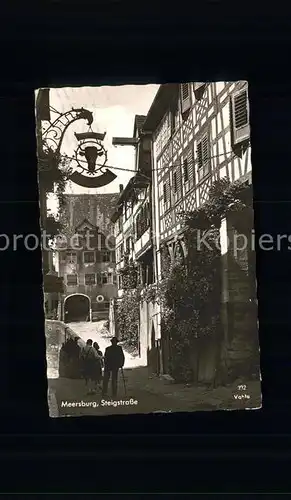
<point x="94" y="331"/>
<point x="142" y="391"/>
<point x="133" y="387"/>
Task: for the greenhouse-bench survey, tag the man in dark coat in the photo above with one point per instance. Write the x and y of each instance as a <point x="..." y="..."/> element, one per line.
<point x="113" y="361"/>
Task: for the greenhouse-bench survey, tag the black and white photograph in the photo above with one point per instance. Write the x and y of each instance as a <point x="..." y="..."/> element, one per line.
<point x="148" y="248"/>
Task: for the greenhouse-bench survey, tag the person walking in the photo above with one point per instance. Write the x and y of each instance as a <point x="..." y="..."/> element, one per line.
<point x="113" y="361"/>
<point x="89" y="359"/>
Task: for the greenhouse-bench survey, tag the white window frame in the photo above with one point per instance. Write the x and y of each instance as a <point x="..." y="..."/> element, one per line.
<point x="70" y="255"/>
<point x="90" y="284"/>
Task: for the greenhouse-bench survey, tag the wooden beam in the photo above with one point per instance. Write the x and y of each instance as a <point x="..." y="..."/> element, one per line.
<point x="124" y="141"/>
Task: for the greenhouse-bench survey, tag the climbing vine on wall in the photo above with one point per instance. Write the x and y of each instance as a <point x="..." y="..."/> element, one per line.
<point x="127" y="315"/>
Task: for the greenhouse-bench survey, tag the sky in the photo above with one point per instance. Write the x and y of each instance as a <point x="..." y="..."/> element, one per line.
<point x="113" y="109"/>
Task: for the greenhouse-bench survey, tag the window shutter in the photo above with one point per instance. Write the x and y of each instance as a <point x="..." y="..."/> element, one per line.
<point x="203" y="157"/>
<point x="199" y="155"/>
<point x="190" y="159"/>
<point x="185" y="98"/>
<point x="179" y="180"/>
<point x="175" y="182"/>
<point x="205" y="149"/>
<point x="240" y="116"/>
<point x="185" y="169"/>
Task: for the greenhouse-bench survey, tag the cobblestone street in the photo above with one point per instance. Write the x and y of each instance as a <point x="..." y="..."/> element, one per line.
<point x="152" y="393"/>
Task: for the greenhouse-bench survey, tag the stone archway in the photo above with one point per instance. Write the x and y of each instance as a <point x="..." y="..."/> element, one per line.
<point x="77" y="307"/>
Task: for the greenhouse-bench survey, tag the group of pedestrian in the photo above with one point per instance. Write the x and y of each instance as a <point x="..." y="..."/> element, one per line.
<point x="69" y="363"/>
<point x="89" y="363"/>
<point x="92" y="363"/>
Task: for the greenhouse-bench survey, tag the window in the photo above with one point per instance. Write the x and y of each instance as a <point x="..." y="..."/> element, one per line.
<point x="185" y="170"/>
<point x="163" y="134"/>
<point x="128" y="245"/>
<point x="104" y="278"/>
<point x="71" y="258"/>
<point x="199" y="88"/>
<point x="90" y="279"/>
<point x="240" y="116"/>
<point x="203" y="159"/>
<point x="72" y="279"/>
<point x="89" y="257"/>
<point x="185" y="100"/>
<point x="106" y="256"/>
<point x="110" y="278"/>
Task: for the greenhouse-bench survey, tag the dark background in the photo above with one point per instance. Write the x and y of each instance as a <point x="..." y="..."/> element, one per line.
<point x="60" y="43"/>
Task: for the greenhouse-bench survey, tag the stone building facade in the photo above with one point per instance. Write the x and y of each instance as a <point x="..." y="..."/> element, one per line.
<point x="86" y="257"/>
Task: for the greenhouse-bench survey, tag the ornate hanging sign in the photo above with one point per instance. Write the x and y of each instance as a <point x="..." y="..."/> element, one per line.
<point x="91" y="158"/>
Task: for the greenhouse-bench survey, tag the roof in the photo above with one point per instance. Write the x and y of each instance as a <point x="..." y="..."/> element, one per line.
<point x="96" y="209"/>
<point x="166" y="94"/>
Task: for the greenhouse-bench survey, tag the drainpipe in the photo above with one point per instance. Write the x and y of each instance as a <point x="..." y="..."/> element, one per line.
<point x="155" y="240"/>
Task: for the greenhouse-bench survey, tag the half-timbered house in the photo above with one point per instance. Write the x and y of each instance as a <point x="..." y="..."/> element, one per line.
<point x="132" y="219"/>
